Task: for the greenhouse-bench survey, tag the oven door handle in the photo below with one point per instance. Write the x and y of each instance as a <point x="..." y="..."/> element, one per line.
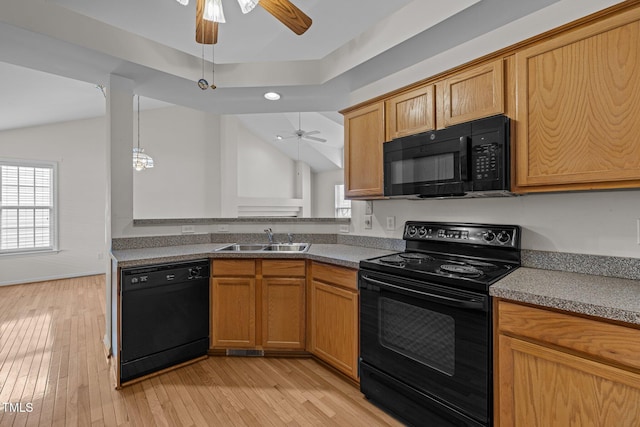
<point x="470" y="304"/>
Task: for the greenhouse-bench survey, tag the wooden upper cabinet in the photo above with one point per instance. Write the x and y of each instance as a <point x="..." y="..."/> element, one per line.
<point x="473" y="94"/>
<point x="363" y="136"/>
<point x="410" y="112"/>
<point x="578" y="104"/>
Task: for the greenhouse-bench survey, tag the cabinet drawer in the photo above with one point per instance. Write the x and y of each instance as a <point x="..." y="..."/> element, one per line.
<point x="233" y="267"/>
<point x="283" y="268"/>
<point x="335" y="275"/>
<point x="608" y="341"/>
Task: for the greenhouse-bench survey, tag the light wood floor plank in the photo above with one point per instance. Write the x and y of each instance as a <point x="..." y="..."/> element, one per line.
<point x="52" y="357"/>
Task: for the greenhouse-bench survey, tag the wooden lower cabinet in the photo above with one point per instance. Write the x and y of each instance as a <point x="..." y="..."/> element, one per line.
<point x="558" y="369"/>
<point x="283" y="311"/>
<point x="233" y="312"/>
<point x="258" y="304"/>
<point x="334" y="323"/>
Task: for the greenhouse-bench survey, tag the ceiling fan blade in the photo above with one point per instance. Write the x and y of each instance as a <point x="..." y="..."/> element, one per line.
<point x="313" y="138"/>
<point x="206" y="31"/>
<point x="313" y="132"/>
<point x="287" y="13"/>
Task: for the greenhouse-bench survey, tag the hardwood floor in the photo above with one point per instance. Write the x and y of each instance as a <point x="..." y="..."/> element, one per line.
<point x="53" y="372"/>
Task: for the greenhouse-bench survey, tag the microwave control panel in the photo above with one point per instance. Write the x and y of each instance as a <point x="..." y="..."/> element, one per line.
<point x="485" y="158"/>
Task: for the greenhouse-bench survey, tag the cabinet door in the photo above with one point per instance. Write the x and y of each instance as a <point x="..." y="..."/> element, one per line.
<point x="233" y="312"/>
<point x="410" y="112"/>
<point x="541" y="386"/>
<point x="283" y="312"/>
<point x="474" y="93"/>
<point x="363" y="139"/>
<point x="578" y="103"/>
<point x="334" y="326"/>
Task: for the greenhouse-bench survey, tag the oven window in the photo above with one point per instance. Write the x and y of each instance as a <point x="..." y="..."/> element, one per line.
<point x="418" y="333"/>
<point x="423" y="169"/>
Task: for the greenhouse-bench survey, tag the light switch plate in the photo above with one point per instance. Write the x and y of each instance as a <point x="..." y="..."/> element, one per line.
<point x="188" y="229"/>
<point x="344" y="228"/>
<point x="368" y="209"/>
<point x="638" y="230"/>
<point x="223" y="228"/>
<point x="391" y="223"/>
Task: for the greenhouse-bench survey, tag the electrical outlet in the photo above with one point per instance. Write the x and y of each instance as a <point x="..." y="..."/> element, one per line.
<point x="188" y="229"/>
<point x="368" y="207"/>
<point x="344" y="228"/>
<point x="391" y="223"/>
<point x="368" y="222"/>
<point x="223" y="228"/>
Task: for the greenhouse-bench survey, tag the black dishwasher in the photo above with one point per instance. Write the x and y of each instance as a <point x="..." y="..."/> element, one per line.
<point x="164" y="316"/>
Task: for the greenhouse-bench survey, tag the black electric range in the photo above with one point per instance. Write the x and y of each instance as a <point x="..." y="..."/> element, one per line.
<point x="426" y="322"/>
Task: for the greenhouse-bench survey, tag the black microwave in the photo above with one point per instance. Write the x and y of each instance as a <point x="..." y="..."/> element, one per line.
<point x="465" y="160"/>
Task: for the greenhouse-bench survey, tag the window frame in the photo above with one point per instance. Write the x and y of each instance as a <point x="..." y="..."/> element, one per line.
<point x="339" y="206"/>
<point x="53" y="208"/>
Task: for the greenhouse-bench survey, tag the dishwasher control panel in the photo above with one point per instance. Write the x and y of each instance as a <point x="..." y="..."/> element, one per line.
<point x="164" y="274"/>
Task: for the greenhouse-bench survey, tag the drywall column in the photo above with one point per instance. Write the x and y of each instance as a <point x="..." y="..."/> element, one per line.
<point x="303" y="187"/>
<point x="229" y="166"/>
<point x="119" y="182"/>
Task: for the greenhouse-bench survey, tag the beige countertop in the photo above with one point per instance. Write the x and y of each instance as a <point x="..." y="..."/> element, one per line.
<point x="343" y="255"/>
<point x="600" y="296"/>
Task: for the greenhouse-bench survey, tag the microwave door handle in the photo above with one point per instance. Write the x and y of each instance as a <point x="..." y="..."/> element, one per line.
<point x="464" y="144"/>
<point x="471" y="304"/>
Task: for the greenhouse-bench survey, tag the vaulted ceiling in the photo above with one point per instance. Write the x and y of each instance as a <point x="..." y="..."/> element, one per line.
<point x="351" y="44"/>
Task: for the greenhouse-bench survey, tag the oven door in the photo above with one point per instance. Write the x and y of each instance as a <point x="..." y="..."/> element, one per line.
<point x="427" y="165"/>
<point x="431" y="338"/>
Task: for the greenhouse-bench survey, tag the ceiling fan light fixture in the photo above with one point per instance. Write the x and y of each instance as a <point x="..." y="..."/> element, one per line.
<point x="247" y="5"/>
<point x="213" y="11"/>
<point x="183" y="2"/>
<point x="272" y="96"/>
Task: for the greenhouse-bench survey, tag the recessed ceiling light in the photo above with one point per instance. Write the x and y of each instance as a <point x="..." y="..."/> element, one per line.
<point x="278" y="137"/>
<point x="272" y="96"/>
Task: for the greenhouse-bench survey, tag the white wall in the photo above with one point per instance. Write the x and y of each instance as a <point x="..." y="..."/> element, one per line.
<point x="598" y="223"/>
<point x="263" y="171"/>
<point x="324" y="192"/>
<point x="78" y="147"/>
<point x="185" y="179"/>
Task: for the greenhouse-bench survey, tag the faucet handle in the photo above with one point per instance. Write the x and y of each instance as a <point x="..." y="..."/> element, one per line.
<point x="290" y="236"/>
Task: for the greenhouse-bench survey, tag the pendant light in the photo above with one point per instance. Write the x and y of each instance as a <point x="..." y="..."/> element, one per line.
<point x="141" y="160"/>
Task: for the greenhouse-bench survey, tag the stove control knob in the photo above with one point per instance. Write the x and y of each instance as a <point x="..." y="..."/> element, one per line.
<point x="422" y="232"/>
<point x="489" y="236"/>
<point x="503" y="237"/>
<point x="412" y="230"/>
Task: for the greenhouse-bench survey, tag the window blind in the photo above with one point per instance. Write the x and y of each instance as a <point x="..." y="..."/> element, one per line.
<point x="27" y="207"/>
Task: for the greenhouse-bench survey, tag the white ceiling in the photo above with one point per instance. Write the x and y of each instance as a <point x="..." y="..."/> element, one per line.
<point x="53" y="53"/>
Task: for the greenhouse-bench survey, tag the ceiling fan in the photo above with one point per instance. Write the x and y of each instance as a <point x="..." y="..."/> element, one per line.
<point x="302" y="134"/>
<point x="209" y="14"/>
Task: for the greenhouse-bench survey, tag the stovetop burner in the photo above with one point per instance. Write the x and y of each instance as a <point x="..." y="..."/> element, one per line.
<point x="393" y="260"/>
<point x="471" y="256"/>
<point x="464" y="270"/>
<point x="416" y="256"/>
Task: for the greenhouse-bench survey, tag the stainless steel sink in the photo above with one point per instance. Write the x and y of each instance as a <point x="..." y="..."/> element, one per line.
<point x="242" y="247"/>
<point x="287" y="247"/>
<point x="273" y="247"/>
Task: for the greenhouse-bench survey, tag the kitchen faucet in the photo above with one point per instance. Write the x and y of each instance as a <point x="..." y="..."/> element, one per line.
<point x="290" y="237"/>
<point x="269" y="235"/>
